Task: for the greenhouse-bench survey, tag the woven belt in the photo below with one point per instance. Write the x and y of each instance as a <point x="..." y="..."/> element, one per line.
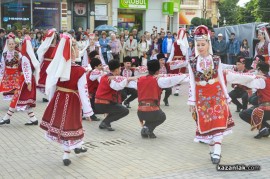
<point x="147" y="103"/>
<point x="58" y="88"/>
<point x="148" y="108"/>
<point x="102" y="101"/>
<point x="48" y="59"/>
<point x="211" y="81"/>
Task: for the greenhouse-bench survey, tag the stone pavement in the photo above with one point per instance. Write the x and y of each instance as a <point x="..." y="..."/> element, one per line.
<point x="24" y="152"/>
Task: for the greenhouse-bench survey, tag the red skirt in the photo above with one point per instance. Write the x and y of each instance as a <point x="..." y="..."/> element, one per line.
<point x="213" y="115"/>
<point x="11" y="80"/>
<point x="28" y="98"/>
<point x="63" y="117"/>
<point x="43" y="74"/>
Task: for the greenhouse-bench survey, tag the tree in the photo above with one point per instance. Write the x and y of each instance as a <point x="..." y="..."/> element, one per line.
<point x="263" y="10"/>
<point x="196" y="21"/>
<point x="203" y="21"/>
<point x="228" y="10"/>
<point x="248" y="13"/>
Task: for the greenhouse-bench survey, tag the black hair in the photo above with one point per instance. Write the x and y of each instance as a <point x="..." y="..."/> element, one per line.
<point x="95" y="62"/>
<point x="113" y="64"/>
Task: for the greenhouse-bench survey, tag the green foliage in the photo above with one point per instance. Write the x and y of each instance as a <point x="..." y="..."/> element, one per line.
<point x="196" y="21"/>
<point x="228" y="10"/>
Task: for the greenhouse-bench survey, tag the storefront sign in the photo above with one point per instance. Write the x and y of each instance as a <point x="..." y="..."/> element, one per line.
<point x="176" y="4"/>
<point x="80" y="9"/>
<point x="101" y="18"/>
<point x="133" y="4"/>
<point x="167" y="8"/>
<point x="126" y="18"/>
<point x="101" y="10"/>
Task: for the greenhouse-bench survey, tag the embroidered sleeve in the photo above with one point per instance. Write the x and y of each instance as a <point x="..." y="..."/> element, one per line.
<point x="170" y="80"/>
<point x="95" y="74"/>
<point x="85" y="62"/>
<point x="246" y="79"/>
<point x="119" y="83"/>
<point x="191" y="92"/>
<point x="172" y="54"/>
<point x="27" y="71"/>
<point x="101" y="57"/>
<point x="2" y="67"/>
<point x="227" y="67"/>
<point x="84" y="96"/>
<point x="222" y="82"/>
<point x="178" y="64"/>
<point x="132" y="84"/>
<point x="141" y="70"/>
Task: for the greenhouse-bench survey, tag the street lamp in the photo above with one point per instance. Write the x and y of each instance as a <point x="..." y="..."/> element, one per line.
<point x="224" y="22"/>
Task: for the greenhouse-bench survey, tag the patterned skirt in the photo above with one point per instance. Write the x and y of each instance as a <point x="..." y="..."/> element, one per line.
<point x="62" y="120"/>
<point x="43" y="75"/>
<point x="213" y="116"/>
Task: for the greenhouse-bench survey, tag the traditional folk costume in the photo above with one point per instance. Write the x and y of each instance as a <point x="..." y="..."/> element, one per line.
<point x="128" y="72"/>
<point x="46" y="53"/>
<point x="240" y="91"/>
<point x="179" y="53"/>
<point x="18" y="76"/>
<point x="259" y="114"/>
<point x="93" y="79"/>
<point x="263" y="47"/>
<point x="163" y="70"/>
<point x="149" y="94"/>
<point x="108" y="97"/>
<point x="208" y="93"/>
<point x="67" y="89"/>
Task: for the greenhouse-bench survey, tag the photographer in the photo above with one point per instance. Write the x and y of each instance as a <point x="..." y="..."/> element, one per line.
<point x="233" y="49"/>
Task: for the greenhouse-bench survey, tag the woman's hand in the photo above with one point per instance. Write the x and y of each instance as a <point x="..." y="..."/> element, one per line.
<point x="192" y="108"/>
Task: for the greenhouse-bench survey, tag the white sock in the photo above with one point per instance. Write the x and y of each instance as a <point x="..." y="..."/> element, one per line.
<point x="211" y="148"/>
<point x="31" y="115"/>
<point x="217" y="150"/>
<point x="9" y="113"/>
<point x="66" y="155"/>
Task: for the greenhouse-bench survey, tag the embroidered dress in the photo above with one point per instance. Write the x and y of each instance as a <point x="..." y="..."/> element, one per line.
<point x="63" y="116"/>
<point x="48" y="57"/>
<point x="209" y="95"/>
<point x="262" y="49"/>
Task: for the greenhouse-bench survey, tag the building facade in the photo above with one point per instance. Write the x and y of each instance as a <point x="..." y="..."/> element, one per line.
<point x="198" y="8"/>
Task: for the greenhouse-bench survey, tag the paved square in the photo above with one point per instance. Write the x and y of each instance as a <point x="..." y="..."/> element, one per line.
<point x="25" y="153"/>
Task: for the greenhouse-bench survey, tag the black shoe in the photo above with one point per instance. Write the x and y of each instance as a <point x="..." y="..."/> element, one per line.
<point x="103" y="125"/>
<point x="126" y="104"/>
<point x="67" y="162"/>
<point x="166" y="102"/>
<point x="45" y="100"/>
<point x="7" y="121"/>
<point x="94" y="118"/>
<point x="144" y="132"/>
<point x="31" y="123"/>
<point x="238" y="109"/>
<point x="216" y="160"/>
<point x="176" y="94"/>
<point x="80" y="150"/>
<point x="152" y="135"/>
<point x="262" y="133"/>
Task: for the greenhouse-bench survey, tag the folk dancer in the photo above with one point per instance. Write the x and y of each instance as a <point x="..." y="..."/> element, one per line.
<point x="257" y="115"/>
<point x="263" y="47"/>
<point x="67" y="89"/>
<point x="46" y="53"/>
<point x="128" y="71"/>
<point x="149" y="94"/>
<point x="108" y="96"/>
<point x="179" y="51"/>
<point x="240" y="91"/>
<point x="208" y="96"/>
<point x="18" y="76"/>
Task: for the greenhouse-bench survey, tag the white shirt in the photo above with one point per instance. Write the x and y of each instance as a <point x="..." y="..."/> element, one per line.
<point x="169" y="45"/>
